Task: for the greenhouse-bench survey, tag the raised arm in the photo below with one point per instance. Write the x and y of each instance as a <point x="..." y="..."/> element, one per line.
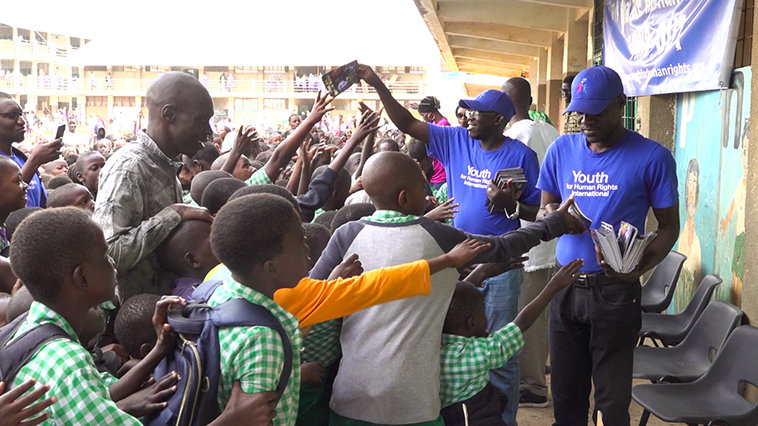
<point x="284" y="152"/>
<point x="368" y="143"/>
<point x="367" y="126"/>
<point x="402" y="118"/>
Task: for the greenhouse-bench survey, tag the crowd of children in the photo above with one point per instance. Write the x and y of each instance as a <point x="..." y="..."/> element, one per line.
<point x="290" y="227"/>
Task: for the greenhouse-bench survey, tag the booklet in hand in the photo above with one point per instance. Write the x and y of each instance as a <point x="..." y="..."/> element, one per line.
<point x="501" y="180"/>
<point x="575" y="211"/>
<point x="623" y="250"/>
<point x="340" y="79"/>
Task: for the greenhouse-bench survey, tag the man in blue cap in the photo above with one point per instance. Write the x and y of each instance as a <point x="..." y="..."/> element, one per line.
<point x="614" y="175"/>
<point x="472" y="156"/>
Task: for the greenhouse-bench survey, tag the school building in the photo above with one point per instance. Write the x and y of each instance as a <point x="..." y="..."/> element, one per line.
<point x="47" y="71"/>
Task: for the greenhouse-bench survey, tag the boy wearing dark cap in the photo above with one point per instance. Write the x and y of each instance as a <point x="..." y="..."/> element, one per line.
<point x="614" y="175"/>
<point x="472" y="156"/>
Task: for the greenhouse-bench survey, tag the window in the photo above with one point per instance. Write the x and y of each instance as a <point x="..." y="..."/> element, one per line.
<point x="744" y="46"/>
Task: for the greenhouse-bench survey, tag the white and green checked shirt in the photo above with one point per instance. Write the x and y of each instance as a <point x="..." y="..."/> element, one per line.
<point x="255" y="355"/>
<point x="82" y="392"/>
<point x="259" y="177"/>
<point x="466" y="361"/>
<point x="322" y="343"/>
<point x="390" y="216"/>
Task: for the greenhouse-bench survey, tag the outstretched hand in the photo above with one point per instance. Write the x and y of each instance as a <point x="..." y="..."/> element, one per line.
<point x="349" y="267"/>
<point x="460" y="255"/>
<point x="247" y="137"/>
<point x="567" y="275"/>
<point x="573" y="226"/>
<point x="16" y="405"/>
<point x="151" y="398"/>
<point x="320" y="107"/>
<point x="444" y="211"/>
<point x="166" y="337"/>
<point x="368" y="124"/>
<point x="368" y="75"/>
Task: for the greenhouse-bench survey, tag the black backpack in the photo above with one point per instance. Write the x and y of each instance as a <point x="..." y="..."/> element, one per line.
<point x="197" y="356"/>
<point x="17" y="353"/>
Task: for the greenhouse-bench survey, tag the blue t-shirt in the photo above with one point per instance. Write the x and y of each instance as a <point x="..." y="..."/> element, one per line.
<point x="470" y="169"/>
<point x="35" y="190"/>
<point x="621" y="183"/>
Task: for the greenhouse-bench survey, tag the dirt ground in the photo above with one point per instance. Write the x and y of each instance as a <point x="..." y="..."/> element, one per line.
<point x="544" y="416"/>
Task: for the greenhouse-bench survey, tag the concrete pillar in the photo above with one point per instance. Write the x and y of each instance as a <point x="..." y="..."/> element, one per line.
<point x="575" y="44"/>
<point x="33" y="81"/>
<point x="541" y="98"/>
<point x="750" y="285"/>
<point x="534" y="76"/>
<point x="554" y="79"/>
<point x="110" y="106"/>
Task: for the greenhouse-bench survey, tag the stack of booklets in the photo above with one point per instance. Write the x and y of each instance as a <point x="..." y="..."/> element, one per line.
<point x="623" y="250"/>
<point x="501" y="180"/>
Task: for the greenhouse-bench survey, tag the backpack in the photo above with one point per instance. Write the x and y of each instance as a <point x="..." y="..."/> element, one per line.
<point x="197" y="357"/>
<point x="17" y="353"/>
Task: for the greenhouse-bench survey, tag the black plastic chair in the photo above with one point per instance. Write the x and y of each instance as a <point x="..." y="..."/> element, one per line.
<point x="659" y="287"/>
<point x="718" y="397"/>
<point x="671" y="329"/>
<point x="690" y="359"/>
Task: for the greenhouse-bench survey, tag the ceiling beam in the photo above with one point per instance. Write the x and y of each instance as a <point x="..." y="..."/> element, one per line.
<point x="500" y="72"/>
<point x="577" y="4"/>
<point x="491" y="56"/>
<point x="428" y="11"/>
<point x="493" y="46"/>
<point x="472" y="63"/>
<point x="511" y="12"/>
<point x="500" y="32"/>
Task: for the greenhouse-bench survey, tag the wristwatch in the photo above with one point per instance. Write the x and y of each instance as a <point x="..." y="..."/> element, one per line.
<point x="515" y="213"/>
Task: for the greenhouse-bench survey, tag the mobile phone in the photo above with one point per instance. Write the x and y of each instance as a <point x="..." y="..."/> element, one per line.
<point x="340" y="79"/>
<point x="59" y="132"/>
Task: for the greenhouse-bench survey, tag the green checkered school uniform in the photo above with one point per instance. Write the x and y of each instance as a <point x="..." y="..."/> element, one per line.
<point x="258" y="178"/>
<point x="82" y="392"/>
<point x="255" y="355"/>
<point x="466" y="361"/>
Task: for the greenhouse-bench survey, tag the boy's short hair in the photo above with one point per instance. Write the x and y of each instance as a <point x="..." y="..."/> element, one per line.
<point x="81" y="162"/>
<point x="20" y="302"/>
<point x="352" y="212"/>
<point x="264" y="156"/>
<point x="267" y="189"/>
<point x="201" y="181"/>
<point x="394" y="146"/>
<point x="15" y="218"/>
<point x="71" y="159"/>
<point x="317" y="236"/>
<point x="208" y="153"/>
<point x="417" y="150"/>
<point x="326" y="218"/>
<point x="249" y="230"/>
<point x="256" y="164"/>
<point x="282" y="182"/>
<point x="58" y="198"/>
<point x="134" y="323"/>
<point x="466" y="298"/>
<point x="42" y="254"/>
<point x="218" y="192"/>
<point x="57" y="182"/>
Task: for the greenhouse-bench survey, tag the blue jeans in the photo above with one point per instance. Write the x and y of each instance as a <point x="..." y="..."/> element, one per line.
<point x="501" y="306"/>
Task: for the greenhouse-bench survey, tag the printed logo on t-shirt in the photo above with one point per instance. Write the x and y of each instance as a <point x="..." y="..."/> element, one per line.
<point x="591" y="185"/>
<point x="476" y="178"/>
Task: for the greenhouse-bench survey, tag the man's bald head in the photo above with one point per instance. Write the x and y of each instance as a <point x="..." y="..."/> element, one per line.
<point x="179" y="109"/>
<point x="173" y="88"/>
<point x="387" y="174"/>
<point x="520" y="92"/>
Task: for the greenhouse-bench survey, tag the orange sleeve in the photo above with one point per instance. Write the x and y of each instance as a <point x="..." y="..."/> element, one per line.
<point x="313" y="301"/>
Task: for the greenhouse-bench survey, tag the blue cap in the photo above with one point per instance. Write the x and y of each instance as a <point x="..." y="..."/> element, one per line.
<point x="593" y="89"/>
<point x="491" y="100"/>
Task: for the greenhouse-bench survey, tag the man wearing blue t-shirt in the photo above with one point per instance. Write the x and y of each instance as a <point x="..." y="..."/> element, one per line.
<point x="472" y="156"/>
<point x="12" y="129"/>
<point x="614" y="175"/>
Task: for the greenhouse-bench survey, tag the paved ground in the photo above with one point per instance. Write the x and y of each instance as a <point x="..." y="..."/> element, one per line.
<point x="544" y="416"/>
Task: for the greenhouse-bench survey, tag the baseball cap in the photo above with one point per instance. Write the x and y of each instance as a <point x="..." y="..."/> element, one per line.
<point x="491" y="100"/>
<point x="429" y="104"/>
<point x="593" y="89"/>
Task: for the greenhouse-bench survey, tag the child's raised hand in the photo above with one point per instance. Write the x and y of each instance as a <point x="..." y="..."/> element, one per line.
<point x="460" y="255"/>
<point x="17" y="409"/>
<point x="567" y="275"/>
<point x="444" y="211"/>
<point x="151" y="398"/>
<point x="349" y="267"/>
<point x="321" y="107"/>
<point x="166" y="338"/>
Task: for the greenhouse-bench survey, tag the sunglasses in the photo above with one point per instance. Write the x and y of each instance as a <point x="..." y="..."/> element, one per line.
<point x="473" y="115"/>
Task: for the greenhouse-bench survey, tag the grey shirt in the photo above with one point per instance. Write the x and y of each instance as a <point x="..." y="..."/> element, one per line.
<point x="390" y="368"/>
<point x="137" y="185"/>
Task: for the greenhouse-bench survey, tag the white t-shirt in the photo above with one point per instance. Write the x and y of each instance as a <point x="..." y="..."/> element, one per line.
<point x="537" y="135"/>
